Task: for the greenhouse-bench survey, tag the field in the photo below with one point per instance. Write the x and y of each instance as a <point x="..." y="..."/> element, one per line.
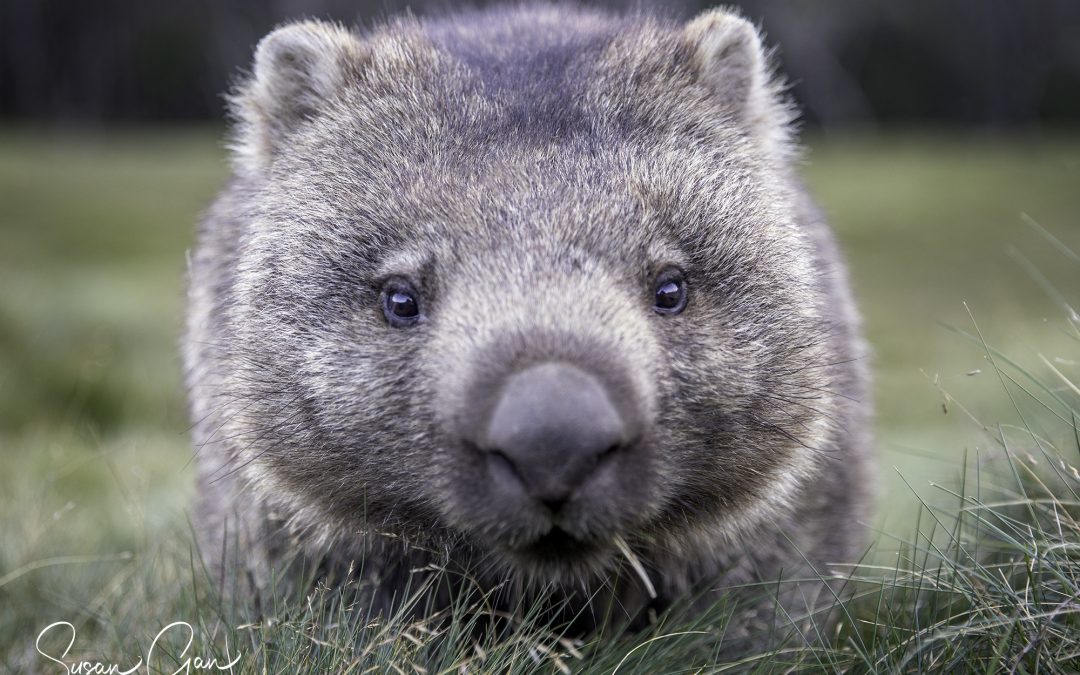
<point x="943" y="234"/>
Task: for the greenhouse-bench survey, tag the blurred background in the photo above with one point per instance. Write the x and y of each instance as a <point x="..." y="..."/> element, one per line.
<point x="943" y="141"/>
<point x="865" y="63"/>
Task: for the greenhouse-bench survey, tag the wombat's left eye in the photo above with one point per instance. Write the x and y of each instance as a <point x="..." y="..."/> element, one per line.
<point x="400" y="305"/>
<point x="670" y="294"/>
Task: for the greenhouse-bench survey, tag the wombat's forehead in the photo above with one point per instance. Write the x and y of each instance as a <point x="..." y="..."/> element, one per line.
<point x="528" y="208"/>
<point x="505" y="181"/>
<point x="613" y="201"/>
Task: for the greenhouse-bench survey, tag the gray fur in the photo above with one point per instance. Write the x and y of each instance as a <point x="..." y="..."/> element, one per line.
<point x="530" y="170"/>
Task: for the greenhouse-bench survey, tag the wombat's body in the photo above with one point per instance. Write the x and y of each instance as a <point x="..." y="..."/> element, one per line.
<point x="514" y="291"/>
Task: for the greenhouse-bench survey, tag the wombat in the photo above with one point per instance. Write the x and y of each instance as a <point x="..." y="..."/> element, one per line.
<point x="534" y="292"/>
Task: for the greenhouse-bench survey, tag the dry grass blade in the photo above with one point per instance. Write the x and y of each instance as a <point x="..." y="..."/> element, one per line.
<point x="638" y="568"/>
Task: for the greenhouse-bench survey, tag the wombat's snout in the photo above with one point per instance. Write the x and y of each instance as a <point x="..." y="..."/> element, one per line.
<point x="552" y="426"/>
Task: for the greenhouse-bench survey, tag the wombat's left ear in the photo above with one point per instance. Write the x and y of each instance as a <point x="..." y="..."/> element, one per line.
<point x="299" y="68"/>
<point x="731" y="60"/>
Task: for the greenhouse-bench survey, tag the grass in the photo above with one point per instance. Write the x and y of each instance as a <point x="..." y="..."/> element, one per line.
<point x="978" y="562"/>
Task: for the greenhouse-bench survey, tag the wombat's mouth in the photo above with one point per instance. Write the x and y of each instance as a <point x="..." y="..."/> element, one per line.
<point x="558" y="546"/>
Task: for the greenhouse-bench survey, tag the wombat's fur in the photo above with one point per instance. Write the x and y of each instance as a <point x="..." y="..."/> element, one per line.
<point x="524" y="180"/>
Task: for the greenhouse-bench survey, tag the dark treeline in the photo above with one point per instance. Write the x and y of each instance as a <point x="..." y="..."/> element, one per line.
<point x="852" y="62"/>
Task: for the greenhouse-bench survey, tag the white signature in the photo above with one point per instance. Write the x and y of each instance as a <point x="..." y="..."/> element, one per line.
<point x="188" y="664"/>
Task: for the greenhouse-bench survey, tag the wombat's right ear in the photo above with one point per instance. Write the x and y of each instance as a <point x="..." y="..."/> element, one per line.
<point x="298" y="69"/>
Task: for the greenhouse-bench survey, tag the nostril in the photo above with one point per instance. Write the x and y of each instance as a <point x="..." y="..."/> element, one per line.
<point x="504" y="470"/>
<point x="608" y="454"/>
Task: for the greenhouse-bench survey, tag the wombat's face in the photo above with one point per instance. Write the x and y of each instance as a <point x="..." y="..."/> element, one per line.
<point x="536" y="317"/>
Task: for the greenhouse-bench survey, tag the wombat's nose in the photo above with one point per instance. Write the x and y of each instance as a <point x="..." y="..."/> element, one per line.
<point x="550" y="427"/>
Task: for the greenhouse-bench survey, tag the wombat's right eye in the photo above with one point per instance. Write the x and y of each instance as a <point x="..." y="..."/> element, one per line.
<point x="670" y="293"/>
<point x="401" y="305"/>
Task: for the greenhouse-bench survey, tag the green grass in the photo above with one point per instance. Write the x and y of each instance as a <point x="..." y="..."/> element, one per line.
<point x="96" y="474"/>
